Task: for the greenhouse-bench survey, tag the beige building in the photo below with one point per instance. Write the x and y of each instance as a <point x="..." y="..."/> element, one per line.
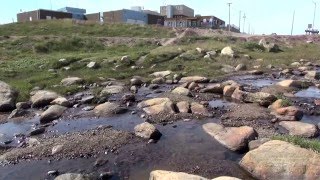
<point x="171" y="11"/>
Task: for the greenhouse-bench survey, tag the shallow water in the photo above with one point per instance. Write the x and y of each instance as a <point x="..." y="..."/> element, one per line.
<point x="256" y="81"/>
<point x="220" y="103"/>
<point x="311" y="119"/>
<point x="311" y="92"/>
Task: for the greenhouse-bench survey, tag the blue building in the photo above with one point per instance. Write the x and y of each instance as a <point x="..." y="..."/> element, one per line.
<point x="125" y="16"/>
<point x="77" y="13"/>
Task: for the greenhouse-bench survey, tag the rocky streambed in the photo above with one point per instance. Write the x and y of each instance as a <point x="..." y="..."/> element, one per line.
<point x="196" y="125"/>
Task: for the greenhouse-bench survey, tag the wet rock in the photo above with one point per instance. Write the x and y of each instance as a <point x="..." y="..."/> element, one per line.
<point x="282" y="160"/>
<point x="53" y="173"/>
<point x="257" y="143"/>
<point x="164" y="108"/>
<point x="263" y="99"/>
<point x="18" y="113"/>
<point x="134" y="89"/>
<point x="158" y="80"/>
<point x="88" y="108"/>
<point x="100" y="162"/>
<point x="196" y="79"/>
<point x="300" y="129"/>
<point x="193" y="86"/>
<point x="234" y="138"/>
<point x="43" y="98"/>
<point x="177" y="77"/>
<point x="228" y="90"/>
<point x="92" y="65"/>
<point x="8" y="97"/>
<point x="73" y="176"/>
<point x="32" y="142"/>
<point x="153" y="86"/>
<point x="108" y="109"/>
<point x="227" y="51"/>
<point x="61" y="101"/>
<point x="87" y="99"/>
<point x="239" y="95"/>
<point x="169" y="175"/>
<point x="161" y="74"/>
<point x="183" y="107"/>
<point x="216" y="89"/>
<point x="152" y="102"/>
<point x="287" y="71"/>
<point x="270" y="66"/>
<point x="312" y="75"/>
<point x="105" y="175"/>
<point x="181" y="91"/>
<point x="23" y="105"/>
<point x="128" y="98"/>
<point x="294" y="84"/>
<point x="37" y="131"/>
<point x="228" y="69"/>
<point x="147" y="131"/>
<point x="317" y="102"/>
<point x="71" y="81"/>
<point x="136" y="81"/>
<point x="52" y="113"/>
<point x="277" y="104"/>
<point x="56" y="149"/>
<point x="111" y="90"/>
<point x="241" y="67"/>
<point x="256" y="72"/>
<point x="199" y="109"/>
<point x="290" y="111"/>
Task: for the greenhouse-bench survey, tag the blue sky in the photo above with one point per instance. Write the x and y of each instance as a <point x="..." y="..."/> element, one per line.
<point x="264" y="16"/>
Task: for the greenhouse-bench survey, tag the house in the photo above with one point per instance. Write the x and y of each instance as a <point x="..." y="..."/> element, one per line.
<point x="171" y="11"/>
<point x="77" y="13"/>
<point x="198" y="21"/>
<point x="42" y="14"/>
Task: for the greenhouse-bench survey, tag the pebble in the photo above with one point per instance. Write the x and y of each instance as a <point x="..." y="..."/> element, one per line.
<point x="53" y="173"/>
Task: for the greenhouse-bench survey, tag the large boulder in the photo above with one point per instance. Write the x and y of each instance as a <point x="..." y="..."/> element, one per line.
<point x="43" y="98"/>
<point x="282" y="160"/>
<point x="196" y="79"/>
<point x="169" y="175"/>
<point x="147" y="131"/>
<point x="8" y="97"/>
<point x="227" y="51"/>
<point x="182" y="91"/>
<point x="71" y="81"/>
<point x="234" y="138"/>
<point x="108" y="109"/>
<point x="73" y="176"/>
<point x="300" y="129"/>
<point x="52" y="113"/>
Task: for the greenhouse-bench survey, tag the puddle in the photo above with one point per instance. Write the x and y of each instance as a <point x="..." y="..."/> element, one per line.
<point x="256" y="81"/>
<point x="219" y="103"/>
<point x="311" y="119"/>
<point x="311" y="92"/>
<point x="184" y="147"/>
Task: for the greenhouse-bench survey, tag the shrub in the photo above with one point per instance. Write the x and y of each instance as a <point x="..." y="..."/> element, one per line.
<point x="253" y="46"/>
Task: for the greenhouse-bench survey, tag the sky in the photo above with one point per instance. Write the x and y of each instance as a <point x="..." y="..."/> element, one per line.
<point x="264" y="16"/>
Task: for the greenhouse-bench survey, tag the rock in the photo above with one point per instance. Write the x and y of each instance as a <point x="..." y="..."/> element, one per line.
<point x="92" y="65"/>
<point x="53" y="173"/>
<point x="239" y="95"/>
<point x="270" y="66"/>
<point x="128" y="98"/>
<point x="108" y="109"/>
<point x="73" y="176"/>
<point x="241" y="67"/>
<point x="312" y="75"/>
<point x="18" y="113"/>
<point x="37" y="131"/>
<point x="216" y="88"/>
<point x="234" y="138"/>
<point x="105" y="176"/>
<point x="211" y="54"/>
<point x="52" y="113"/>
<point x="125" y="60"/>
<point x="108" y="90"/>
<point x="196" y="79"/>
<point x="300" y="129"/>
<point x="264" y="99"/>
<point x="8" y="97"/>
<point x="228" y="90"/>
<point x="136" y="81"/>
<point x="161" y="74"/>
<point x="227" y="51"/>
<point x="23" y="105"/>
<point x="71" y="81"/>
<point x="61" y="101"/>
<point x="277" y="104"/>
<point x="164" y="108"/>
<point x="87" y="99"/>
<point x="152" y="102"/>
<point x="32" y="142"/>
<point x="43" y="98"/>
<point x="290" y="111"/>
<point x="317" y="102"/>
<point x="257" y="143"/>
<point x="228" y="69"/>
<point x="295" y="64"/>
<point x="177" y="77"/>
<point x="183" y="107"/>
<point x="226" y="178"/>
<point x="158" y="80"/>
<point x="256" y="72"/>
<point x="182" y="91"/>
<point x="270" y="47"/>
<point x="293" y="84"/>
<point x="282" y="160"/>
<point x="56" y="149"/>
<point x="88" y="108"/>
<point x="169" y="175"/>
<point x="134" y="89"/>
<point x="199" y="109"/>
<point x="200" y="50"/>
<point x="147" y="131"/>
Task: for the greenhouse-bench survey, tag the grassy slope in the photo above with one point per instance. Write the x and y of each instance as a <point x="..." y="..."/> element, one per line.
<point x="24" y="62"/>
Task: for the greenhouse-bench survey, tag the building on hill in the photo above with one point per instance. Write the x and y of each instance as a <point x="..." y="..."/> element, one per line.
<point x="171" y="11"/>
<point x="94" y="17"/>
<point x="42" y="14"/>
<point x="77" y="13"/>
<point x="198" y="21"/>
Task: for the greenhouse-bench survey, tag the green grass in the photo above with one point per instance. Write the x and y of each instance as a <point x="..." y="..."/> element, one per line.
<point x="67" y="28"/>
<point x="312" y="144"/>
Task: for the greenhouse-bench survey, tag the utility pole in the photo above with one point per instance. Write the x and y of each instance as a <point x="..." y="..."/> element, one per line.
<point x="229" y="16"/>
<point x="314" y="15"/>
<point x="240" y="21"/>
<point x="51" y="4"/>
<point x="249" y="29"/>
<point x="294" y="12"/>
<point x="244" y="21"/>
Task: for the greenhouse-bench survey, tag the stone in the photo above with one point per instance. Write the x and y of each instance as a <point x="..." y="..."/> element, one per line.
<point x="56" y="149"/>
<point x="152" y="102"/>
<point x="147" y="131"/>
<point x="164" y="108"/>
<point x="181" y="91"/>
<point x="239" y="95"/>
<point x="177" y="77"/>
<point x="18" y="113"/>
<point x="183" y="107"/>
<point x="282" y="160"/>
<point x="192" y="86"/>
<point x="23" y="105"/>
<point x="8" y="97"/>
<point x="254" y="144"/>
<point x="169" y="175"/>
<point x="88" y="108"/>
<point x="226" y="178"/>
<point x="128" y="98"/>
<point x="161" y="74"/>
<point x="108" y="109"/>
<point x="290" y="111"/>
<point x="277" y="104"/>
<point x="300" y="129"/>
<point x="71" y="81"/>
<point x="73" y="176"/>
<point x="270" y="47"/>
<point x="37" y="131"/>
<point x="61" y="101"/>
<point x="234" y="138"/>
<point x="109" y="90"/>
<point x="196" y="79"/>
<point x="241" y="67"/>
<point x="87" y="99"/>
<point x="136" y="81"/>
<point x="201" y="51"/>
<point x="43" y="98"/>
<point x="312" y="75"/>
<point x="158" y="80"/>
<point x="52" y="113"/>
<point x="256" y="72"/>
<point x="293" y="84"/>
<point x="125" y="60"/>
<point x="262" y="98"/>
<point x="228" y="90"/>
<point x="92" y="65"/>
<point x="317" y="102"/>
<point x="211" y="54"/>
<point x="215" y="88"/>
<point x="32" y="142"/>
<point x="227" y="51"/>
<point x="295" y="64"/>
<point x="228" y="69"/>
<point x="199" y="109"/>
